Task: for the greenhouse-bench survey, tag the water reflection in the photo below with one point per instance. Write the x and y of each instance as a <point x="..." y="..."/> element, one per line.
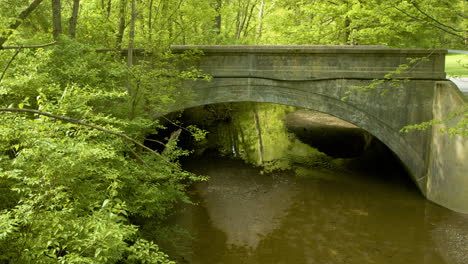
<point x="255" y="133"/>
<point x="248" y="217"/>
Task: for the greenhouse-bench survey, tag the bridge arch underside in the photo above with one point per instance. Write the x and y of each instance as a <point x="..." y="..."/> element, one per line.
<point x="380" y="115"/>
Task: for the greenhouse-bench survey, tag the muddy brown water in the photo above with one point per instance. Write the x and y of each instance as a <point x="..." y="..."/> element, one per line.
<point x="245" y="216"/>
<point x="357" y="210"/>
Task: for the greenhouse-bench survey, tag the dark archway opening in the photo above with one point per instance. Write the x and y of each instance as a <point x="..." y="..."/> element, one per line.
<point x="345" y="147"/>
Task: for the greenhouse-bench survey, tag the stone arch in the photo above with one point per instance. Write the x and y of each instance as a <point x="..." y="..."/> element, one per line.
<point x="323" y="97"/>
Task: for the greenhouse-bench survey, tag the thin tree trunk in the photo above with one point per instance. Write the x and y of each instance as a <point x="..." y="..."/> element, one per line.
<point x="347" y="31"/>
<point x="218" y="18"/>
<point x="131" y="35"/>
<point x="123" y="4"/>
<point x="56" y="18"/>
<point x="261" y="14"/>
<point x="131" y="38"/>
<point x="247" y="24"/>
<point x="109" y="8"/>
<point x="244" y="19"/>
<point x="28" y="10"/>
<point x="150" y="21"/>
<point x="241" y="17"/>
<point x="74" y="18"/>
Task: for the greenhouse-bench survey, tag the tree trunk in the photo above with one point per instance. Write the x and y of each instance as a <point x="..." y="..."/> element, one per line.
<point x="218" y="20"/>
<point x="150" y="21"/>
<point x="74" y="18"/>
<point x="131" y="35"/>
<point x="56" y="18"/>
<point x="132" y="91"/>
<point x="243" y="18"/>
<point x="250" y="14"/>
<point x="18" y="20"/>
<point x="347" y="31"/>
<point x="240" y="20"/>
<point x="109" y="8"/>
<point x="123" y="4"/>
<point x="261" y="14"/>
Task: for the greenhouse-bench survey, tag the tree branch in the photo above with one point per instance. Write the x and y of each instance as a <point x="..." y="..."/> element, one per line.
<point x="463" y="15"/>
<point x="79" y="122"/>
<point x="433" y="19"/>
<point x="19" y="20"/>
<point x="430" y="24"/>
<point x="9" y="63"/>
<point x="29" y="47"/>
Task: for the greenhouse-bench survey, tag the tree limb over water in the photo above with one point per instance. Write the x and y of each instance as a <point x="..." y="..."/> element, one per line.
<point x="79" y="122"/>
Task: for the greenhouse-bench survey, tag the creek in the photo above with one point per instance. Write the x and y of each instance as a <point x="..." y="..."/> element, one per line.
<point x="271" y="198"/>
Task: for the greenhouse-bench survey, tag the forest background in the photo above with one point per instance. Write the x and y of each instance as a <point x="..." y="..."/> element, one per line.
<point x="75" y="175"/>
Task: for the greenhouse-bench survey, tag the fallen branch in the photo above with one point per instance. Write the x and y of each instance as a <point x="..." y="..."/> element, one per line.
<point x="29" y="47"/>
<point x="79" y="122"/>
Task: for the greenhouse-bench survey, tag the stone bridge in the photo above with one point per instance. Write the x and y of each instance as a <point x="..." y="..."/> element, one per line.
<point x="318" y="77"/>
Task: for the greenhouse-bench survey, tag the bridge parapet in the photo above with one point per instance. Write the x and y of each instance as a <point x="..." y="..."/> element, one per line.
<point x="306" y="63"/>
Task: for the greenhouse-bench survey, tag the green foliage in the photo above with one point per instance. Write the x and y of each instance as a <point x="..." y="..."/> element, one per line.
<point x="70" y="189"/>
<point x="155" y="84"/>
<point x="390" y="80"/>
<point x="146" y="252"/>
<point x="396" y="23"/>
<point x="68" y="193"/>
<point x="459" y="129"/>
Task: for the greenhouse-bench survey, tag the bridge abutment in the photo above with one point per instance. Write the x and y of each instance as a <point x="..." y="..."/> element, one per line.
<point x="447" y="168"/>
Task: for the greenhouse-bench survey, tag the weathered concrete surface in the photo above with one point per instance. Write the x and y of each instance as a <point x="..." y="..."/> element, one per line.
<point x="312" y="62"/>
<point x="317" y="78"/>
<point x="447" y="177"/>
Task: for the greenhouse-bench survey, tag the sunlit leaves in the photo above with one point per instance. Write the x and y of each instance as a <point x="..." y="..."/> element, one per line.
<point x="460" y="128"/>
<point x="70" y="189"/>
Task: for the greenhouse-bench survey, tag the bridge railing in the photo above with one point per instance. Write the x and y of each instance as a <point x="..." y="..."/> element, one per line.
<point x="302" y="63"/>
